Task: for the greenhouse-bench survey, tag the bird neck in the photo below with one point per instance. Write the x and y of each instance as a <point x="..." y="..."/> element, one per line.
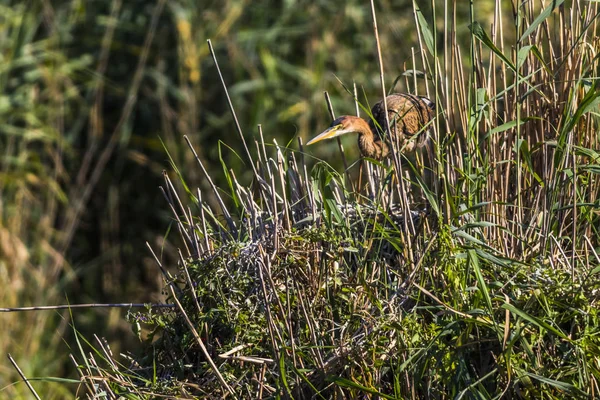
<point x="370" y="144"/>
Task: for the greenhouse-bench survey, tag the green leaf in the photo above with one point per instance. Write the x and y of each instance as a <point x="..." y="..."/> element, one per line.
<point x="334" y="209"/>
<point x="480" y="34"/>
<point x="343" y="382"/>
<point x="524" y="52"/>
<point x="492" y="258"/>
<point x="534" y="320"/>
<point x="594" y="169"/>
<point x="567" y="387"/>
<point x="595" y="156"/>
<point x="425" y="31"/>
<point x="226" y="173"/>
<point x="522" y="55"/>
<point x="506" y="126"/>
<point x="523" y="148"/>
<point x="302" y="375"/>
<point x="474" y="261"/>
<point x="591" y="101"/>
<point x="545" y="13"/>
<point x="468" y="237"/>
<point x="479" y="224"/>
<point x="284" y="376"/>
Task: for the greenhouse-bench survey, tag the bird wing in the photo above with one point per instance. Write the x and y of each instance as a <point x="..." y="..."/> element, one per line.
<point x="406" y="113"/>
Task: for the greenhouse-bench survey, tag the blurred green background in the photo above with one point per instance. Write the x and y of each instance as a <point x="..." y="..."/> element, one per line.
<point x="90" y="91"/>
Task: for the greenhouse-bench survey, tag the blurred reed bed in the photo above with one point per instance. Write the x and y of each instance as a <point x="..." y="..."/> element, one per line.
<point x="296" y="286"/>
<point x="89" y="92"/>
<point x="35" y="92"/>
<point x="291" y="287"/>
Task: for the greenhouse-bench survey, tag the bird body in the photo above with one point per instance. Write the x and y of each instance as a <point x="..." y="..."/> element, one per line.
<point x="407" y="114"/>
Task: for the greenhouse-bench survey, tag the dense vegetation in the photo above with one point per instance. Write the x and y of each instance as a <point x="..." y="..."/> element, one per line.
<point x="288" y="282"/>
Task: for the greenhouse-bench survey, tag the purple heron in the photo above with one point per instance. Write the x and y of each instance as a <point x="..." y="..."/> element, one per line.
<point x="408" y="114"/>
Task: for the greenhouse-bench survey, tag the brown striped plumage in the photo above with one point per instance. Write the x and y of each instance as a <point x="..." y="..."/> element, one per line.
<point x="408" y="115"/>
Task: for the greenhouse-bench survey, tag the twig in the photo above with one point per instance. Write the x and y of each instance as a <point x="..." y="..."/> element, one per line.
<point x="237" y="124"/>
<point x="428" y="293"/>
<point x="166" y="275"/>
<point x="173" y="193"/>
<point x="201" y="344"/>
<point x="226" y="213"/>
<point x="92" y="305"/>
<point x="192" y="329"/>
<point x="83" y="379"/>
<point x="235" y="350"/>
<point x="339" y="141"/>
<point x="203" y="219"/>
<point x="286" y="209"/>
<point x="184" y="233"/>
<point x="408" y="226"/>
<point x="189" y="280"/>
<point x="14" y="363"/>
<point x="254" y="360"/>
<point x="261" y="382"/>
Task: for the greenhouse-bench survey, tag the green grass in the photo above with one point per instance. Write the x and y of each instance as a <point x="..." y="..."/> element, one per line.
<point x="288" y="283"/>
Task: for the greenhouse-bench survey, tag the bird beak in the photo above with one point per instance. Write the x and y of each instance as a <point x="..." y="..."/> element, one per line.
<point x="332" y="132"/>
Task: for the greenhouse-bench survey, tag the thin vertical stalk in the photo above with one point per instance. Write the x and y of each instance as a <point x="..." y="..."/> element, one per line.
<point x="339" y="142"/>
<point x="407" y="220"/>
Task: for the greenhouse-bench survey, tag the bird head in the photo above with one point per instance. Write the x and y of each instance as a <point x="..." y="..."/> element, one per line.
<point x="341" y="126"/>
